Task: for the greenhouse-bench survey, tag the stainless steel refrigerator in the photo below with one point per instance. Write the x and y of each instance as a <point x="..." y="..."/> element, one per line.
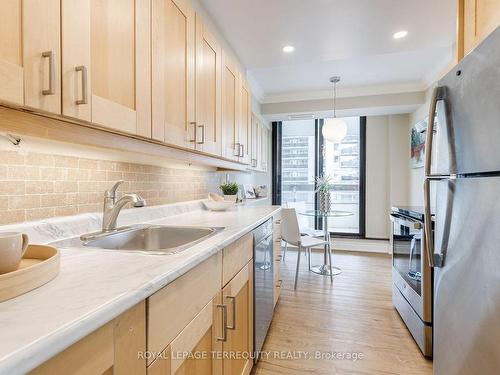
<point x="464" y="172"/>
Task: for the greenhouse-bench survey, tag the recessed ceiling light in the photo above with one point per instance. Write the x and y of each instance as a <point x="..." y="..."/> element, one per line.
<point x="288" y="49"/>
<point x="400" y="34"/>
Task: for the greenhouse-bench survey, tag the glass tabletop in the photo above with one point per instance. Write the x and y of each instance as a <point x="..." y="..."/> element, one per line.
<point x="333" y="213"/>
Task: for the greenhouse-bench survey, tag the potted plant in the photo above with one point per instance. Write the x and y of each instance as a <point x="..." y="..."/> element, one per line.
<point x="323" y="188"/>
<point x="230" y="191"/>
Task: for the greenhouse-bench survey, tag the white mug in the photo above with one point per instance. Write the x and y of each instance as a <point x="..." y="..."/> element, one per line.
<point x="13" y="245"/>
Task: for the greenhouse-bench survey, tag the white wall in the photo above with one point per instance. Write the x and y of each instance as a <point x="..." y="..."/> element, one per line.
<point x="387" y="170"/>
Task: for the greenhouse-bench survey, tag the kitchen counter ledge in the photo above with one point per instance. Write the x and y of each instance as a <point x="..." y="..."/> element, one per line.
<point x="95" y="286"/>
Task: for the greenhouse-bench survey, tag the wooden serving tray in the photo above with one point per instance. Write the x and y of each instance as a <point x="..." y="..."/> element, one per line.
<point x="39" y="265"/>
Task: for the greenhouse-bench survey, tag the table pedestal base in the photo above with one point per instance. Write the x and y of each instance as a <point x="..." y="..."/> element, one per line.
<point x="325" y="270"/>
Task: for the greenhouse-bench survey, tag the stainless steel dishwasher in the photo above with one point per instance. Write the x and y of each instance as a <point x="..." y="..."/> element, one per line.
<point x="263" y="282"/>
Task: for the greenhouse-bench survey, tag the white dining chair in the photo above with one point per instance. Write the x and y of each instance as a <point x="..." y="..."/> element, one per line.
<point x="304" y="228"/>
<point x="290" y="233"/>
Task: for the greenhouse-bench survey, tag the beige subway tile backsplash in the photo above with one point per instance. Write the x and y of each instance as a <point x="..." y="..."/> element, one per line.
<point x="36" y="186"/>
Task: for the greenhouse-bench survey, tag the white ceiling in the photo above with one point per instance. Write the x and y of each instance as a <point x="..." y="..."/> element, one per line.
<point x="351" y="38"/>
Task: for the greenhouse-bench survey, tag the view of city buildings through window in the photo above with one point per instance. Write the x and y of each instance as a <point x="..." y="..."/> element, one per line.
<point x="340" y="161"/>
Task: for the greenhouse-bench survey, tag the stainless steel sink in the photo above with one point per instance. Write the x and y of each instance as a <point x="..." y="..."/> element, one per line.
<point x="151" y="239"/>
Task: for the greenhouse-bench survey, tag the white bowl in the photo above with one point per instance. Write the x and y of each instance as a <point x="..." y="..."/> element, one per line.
<point x="215" y="197"/>
<point x="218" y="205"/>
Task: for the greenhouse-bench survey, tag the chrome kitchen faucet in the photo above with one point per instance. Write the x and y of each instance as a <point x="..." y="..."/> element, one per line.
<point x="112" y="207"/>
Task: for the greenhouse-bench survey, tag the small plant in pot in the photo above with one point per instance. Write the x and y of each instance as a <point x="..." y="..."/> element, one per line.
<point x="230" y="191"/>
<point x="323" y="188"/>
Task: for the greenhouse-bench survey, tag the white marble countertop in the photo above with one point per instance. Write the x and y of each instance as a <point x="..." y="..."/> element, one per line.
<point x="95" y="286"/>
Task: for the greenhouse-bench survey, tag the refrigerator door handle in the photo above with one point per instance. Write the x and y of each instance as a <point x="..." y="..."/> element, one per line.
<point x="437" y="94"/>
<point x="428" y="238"/>
<point x="437" y="259"/>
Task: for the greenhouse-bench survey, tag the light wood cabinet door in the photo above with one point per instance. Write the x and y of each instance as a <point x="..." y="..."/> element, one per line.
<point x="41" y="54"/>
<point x="207" y="130"/>
<point x="111" y="349"/>
<point x="11" y="52"/>
<point x="173" y="79"/>
<point x="231" y="147"/>
<point x="172" y="308"/>
<point x="194" y="350"/>
<point x="245" y="124"/>
<point x="264" y="147"/>
<point x="106" y="63"/>
<point x="481" y="17"/>
<point x="238" y="297"/>
<point x="255" y="157"/>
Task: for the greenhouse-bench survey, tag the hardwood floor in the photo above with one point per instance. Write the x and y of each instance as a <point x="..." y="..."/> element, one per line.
<point x="354" y="315"/>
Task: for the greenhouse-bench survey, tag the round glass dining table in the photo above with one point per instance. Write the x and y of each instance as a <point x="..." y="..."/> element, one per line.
<point x="324" y="269"/>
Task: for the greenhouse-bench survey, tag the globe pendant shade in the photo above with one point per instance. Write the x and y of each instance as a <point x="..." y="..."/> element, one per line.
<point x="334" y="130"/>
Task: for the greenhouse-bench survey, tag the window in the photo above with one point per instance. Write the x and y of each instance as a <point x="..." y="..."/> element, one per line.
<point x="341" y="161"/>
<point x="305" y="155"/>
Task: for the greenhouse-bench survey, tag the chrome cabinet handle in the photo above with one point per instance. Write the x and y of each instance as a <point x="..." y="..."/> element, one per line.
<point x="224" y="323"/>
<point x="233" y="303"/>
<point x="52" y="73"/>
<point x="254" y="162"/>
<point x="202" y="134"/>
<point x="195" y="132"/>
<point x="84" y="99"/>
<point x="237" y="148"/>
<point x="241" y="150"/>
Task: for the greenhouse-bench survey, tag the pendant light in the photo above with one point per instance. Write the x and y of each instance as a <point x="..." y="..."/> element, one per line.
<point x="334" y="129"/>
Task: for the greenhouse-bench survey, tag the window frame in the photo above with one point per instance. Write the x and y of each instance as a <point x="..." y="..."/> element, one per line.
<point x="277" y="132"/>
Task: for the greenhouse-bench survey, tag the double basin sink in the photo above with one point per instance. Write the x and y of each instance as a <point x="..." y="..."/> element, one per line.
<point x="150" y="239"/>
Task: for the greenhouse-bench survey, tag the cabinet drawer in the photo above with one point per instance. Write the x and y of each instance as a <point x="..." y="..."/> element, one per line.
<point x="277" y="226"/>
<point x="173" y="307"/>
<point x="277" y="279"/>
<point x="277" y="291"/>
<point x="278" y="253"/>
<point x="236" y="256"/>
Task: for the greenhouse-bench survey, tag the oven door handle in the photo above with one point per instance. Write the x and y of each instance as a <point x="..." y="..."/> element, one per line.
<point x="410" y="223"/>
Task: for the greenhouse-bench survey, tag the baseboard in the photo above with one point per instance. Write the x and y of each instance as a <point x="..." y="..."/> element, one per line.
<point x="358" y="244"/>
<point x="364" y="245"/>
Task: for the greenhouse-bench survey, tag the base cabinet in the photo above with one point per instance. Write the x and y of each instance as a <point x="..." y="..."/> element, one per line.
<point x="196" y="325"/>
<point x="238" y="297"/>
<point x="112" y="349"/>
<point x="194" y="350"/>
<point x="278" y="256"/>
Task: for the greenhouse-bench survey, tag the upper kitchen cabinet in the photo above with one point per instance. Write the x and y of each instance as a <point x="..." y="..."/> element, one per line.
<point x="11" y="52"/>
<point x="207" y="132"/>
<point x="107" y="64"/>
<point x="255" y="141"/>
<point x="30" y="59"/>
<point x="477" y="19"/>
<point x="264" y="148"/>
<point x="173" y="65"/>
<point x="231" y="146"/>
<point x="245" y="122"/>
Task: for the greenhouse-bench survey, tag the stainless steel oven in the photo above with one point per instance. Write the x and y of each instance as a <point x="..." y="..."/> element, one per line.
<point x="411" y="275"/>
